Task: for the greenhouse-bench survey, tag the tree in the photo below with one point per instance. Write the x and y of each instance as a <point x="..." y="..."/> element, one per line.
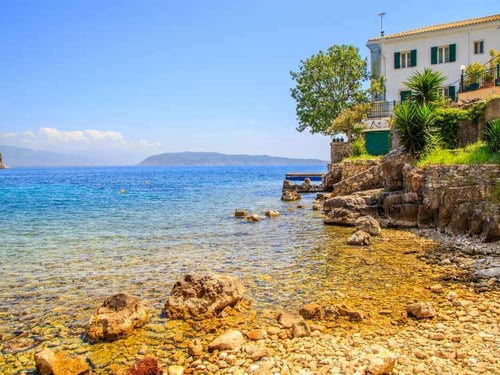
<point x="349" y="121"/>
<point x="425" y="86"/>
<point x="326" y="84"/>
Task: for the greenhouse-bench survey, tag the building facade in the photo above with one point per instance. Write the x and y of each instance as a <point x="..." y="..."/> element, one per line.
<point x="448" y="48"/>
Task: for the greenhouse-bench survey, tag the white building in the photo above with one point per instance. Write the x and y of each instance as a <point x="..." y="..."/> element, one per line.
<point x="447" y="48"/>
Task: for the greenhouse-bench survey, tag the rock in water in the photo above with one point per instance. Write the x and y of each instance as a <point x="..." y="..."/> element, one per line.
<point x="145" y="366"/>
<point x="421" y="310"/>
<point x="289" y="196"/>
<point x="368" y="224"/>
<point x="272" y="213"/>
<point x="50" y="363"/>
<point x="230" y="340"/>
<point x="203" y="296"/>
<point x="359" y="238"/>
<point x="118" y="316"/>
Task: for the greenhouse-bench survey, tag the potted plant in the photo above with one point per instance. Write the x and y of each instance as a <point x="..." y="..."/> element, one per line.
<point x="473" y="76"/>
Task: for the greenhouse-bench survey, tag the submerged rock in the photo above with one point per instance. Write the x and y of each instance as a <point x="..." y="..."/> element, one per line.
<point x="51" y="363"/>
<point x="359" y="238"/>
<point x="272" y="213"/>
<point x="203" y="296"/>
<point x="253" y="218"/>
<point x="118" y="316"/>
<point x="368" y="224"/>
<point x="145" y="366"/>
<point x="230" y="340"/>
<point x="311" y="311"/>
<point x="240" y="213"/>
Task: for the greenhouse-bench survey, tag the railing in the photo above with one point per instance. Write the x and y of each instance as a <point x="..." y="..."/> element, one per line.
<point x="381" y="109"/>
<point x="475" y="81"/>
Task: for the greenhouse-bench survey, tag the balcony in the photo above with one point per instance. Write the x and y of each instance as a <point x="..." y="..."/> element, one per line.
<point x="381" y="109"/>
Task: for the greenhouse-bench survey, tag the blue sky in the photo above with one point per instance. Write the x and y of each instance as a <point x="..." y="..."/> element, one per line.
<point x="127" y="79"/>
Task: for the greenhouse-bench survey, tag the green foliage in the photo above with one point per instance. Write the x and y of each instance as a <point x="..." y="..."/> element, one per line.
<point x="477" y="153"/>
<point x="477" y="110"/>
<point x="349" y="121"/>
<point x="425" y="86"/>
<point x="492" y="135"/>
<point x="358" y="147"/>
<point x="414" y="123"/>
<point x="447" y="119"/>
<point x="473" y="73"/>
<point x="377" y="86"/>
<point x="364" y="157"/>
<point x="326" y="84"/>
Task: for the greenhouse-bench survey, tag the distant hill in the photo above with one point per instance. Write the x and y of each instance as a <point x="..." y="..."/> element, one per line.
<point x="216" y="159"/>
<point x="25" y="157"/>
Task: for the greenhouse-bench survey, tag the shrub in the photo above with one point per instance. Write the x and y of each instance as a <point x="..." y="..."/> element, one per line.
<point x="358" y="147"/>
<point x="425" y="86"/>
<point x="447" y="119"/>
<point x="492" y="135"/>
<point x="413" y="122"/>
<point x="476" y="153"/>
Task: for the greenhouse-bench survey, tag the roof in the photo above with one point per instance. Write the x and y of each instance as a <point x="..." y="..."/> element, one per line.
<point x="440" y="27"/>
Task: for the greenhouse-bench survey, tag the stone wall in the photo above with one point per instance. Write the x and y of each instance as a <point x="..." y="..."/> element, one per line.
<point x="340" y="172"/>
<point x="339" y="151"/>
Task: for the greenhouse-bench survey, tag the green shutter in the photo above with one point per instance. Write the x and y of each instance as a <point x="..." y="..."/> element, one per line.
<point x="451" y="92"/>
<point x="434" y="55"/>
<point x="413" y="57"/>
<point x="405" y="95"/>
<point x="453" y="52"/>
<point x="397" y="60"/>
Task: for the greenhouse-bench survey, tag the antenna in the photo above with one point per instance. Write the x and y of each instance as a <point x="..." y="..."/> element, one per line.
<point x="381" y="15"/>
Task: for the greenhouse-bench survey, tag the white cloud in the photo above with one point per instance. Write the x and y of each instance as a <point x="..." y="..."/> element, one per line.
<point x="62" y="136"/>
<point x="106" y="135"/>
<point x="7" y="135"/>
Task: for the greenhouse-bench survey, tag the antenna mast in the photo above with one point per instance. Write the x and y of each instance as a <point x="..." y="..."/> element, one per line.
<point x="381" y="15"/>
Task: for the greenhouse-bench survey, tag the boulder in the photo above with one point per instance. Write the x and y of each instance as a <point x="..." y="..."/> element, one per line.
<point x="368" y="224"/>
<point x="240" y="213"/>
<point x="118" y="316"/>
<point x="272" y="213"/>
<point x="359" y="238"/>
<point x="290" y="196"/>
<point x="310" y="311"/>
<point x="300" y="329"/>
<point x="50" y="363"/>
<point x="253" y="218"/>
<point x="145" y="366"/>
<point x="421" y="310"/>
<point x="381" y="363"/>
<point x="203" y="296"/>
<point x="230" y="340"/>
<point x="341" y="216"/>
<point x="392" y="168"/>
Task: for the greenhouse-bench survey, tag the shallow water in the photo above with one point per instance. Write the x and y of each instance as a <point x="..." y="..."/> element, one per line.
<point x="71" y="237"/>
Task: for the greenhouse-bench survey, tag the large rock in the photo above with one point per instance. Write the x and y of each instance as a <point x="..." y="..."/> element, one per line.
<point x="230" y="340"/>
<point x="368" y="224"/>
<point x="290" y="196"/>
<point x="341" y="216"/>
<point x="118" y="316"/>
<point x="203" y="296"/>
<point x="145" y="366"/>
<point x="421" y="310"/>
<point x="392" y="168"/>
<point x="359" y="238"/>
<point x="381" y="363"/>
<point x="50" y="363"/>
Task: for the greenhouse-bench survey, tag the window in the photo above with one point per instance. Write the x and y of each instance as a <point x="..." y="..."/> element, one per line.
<point x="448" y="92"/>
<point x="405" y="59"/>
<point x="478" y="47"/>
<point x="444" y="54"/>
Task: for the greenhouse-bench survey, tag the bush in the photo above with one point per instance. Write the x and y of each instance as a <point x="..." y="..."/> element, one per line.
<point x="413" y="122"/>
<point x="476" y="153"/>
<point x="492" y="135"/>
<point x="358" y="147"/>
<point x="447" y="119"/>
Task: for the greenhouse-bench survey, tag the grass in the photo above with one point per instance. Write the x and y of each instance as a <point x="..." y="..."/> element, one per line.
<point x="364" y="157"/>
<point x="477" y="153"/>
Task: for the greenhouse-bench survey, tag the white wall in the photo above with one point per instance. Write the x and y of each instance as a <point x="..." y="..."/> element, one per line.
<point x="463" y="37"/>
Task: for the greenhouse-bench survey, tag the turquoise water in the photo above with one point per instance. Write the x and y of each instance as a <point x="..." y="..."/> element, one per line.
<point x="72" y="236"/>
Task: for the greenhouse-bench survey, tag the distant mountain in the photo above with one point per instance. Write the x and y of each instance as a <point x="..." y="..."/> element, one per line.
<point x="25" y="157"/>
<point x="216" y="159"/>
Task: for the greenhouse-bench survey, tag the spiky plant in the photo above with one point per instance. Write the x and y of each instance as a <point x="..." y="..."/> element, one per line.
<point x="425" y="86"/>
<point x="492" y="135"/>
<point x="414" y="122"/>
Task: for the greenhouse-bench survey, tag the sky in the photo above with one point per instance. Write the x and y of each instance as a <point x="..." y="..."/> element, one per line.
<point x="123" y="80"/>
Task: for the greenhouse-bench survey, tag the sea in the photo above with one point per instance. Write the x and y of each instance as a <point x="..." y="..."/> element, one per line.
<point x="71" y="237"/>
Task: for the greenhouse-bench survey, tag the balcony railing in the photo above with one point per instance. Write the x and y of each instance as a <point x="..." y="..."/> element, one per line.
<point x="381" y="109"/>
<point x="475" y="81"/>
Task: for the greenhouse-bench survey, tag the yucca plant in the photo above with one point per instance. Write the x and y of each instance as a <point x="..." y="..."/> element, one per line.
<point x="414" y="122"/>
<point x="425" y="86"/>
<point x="492" y="135"/>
